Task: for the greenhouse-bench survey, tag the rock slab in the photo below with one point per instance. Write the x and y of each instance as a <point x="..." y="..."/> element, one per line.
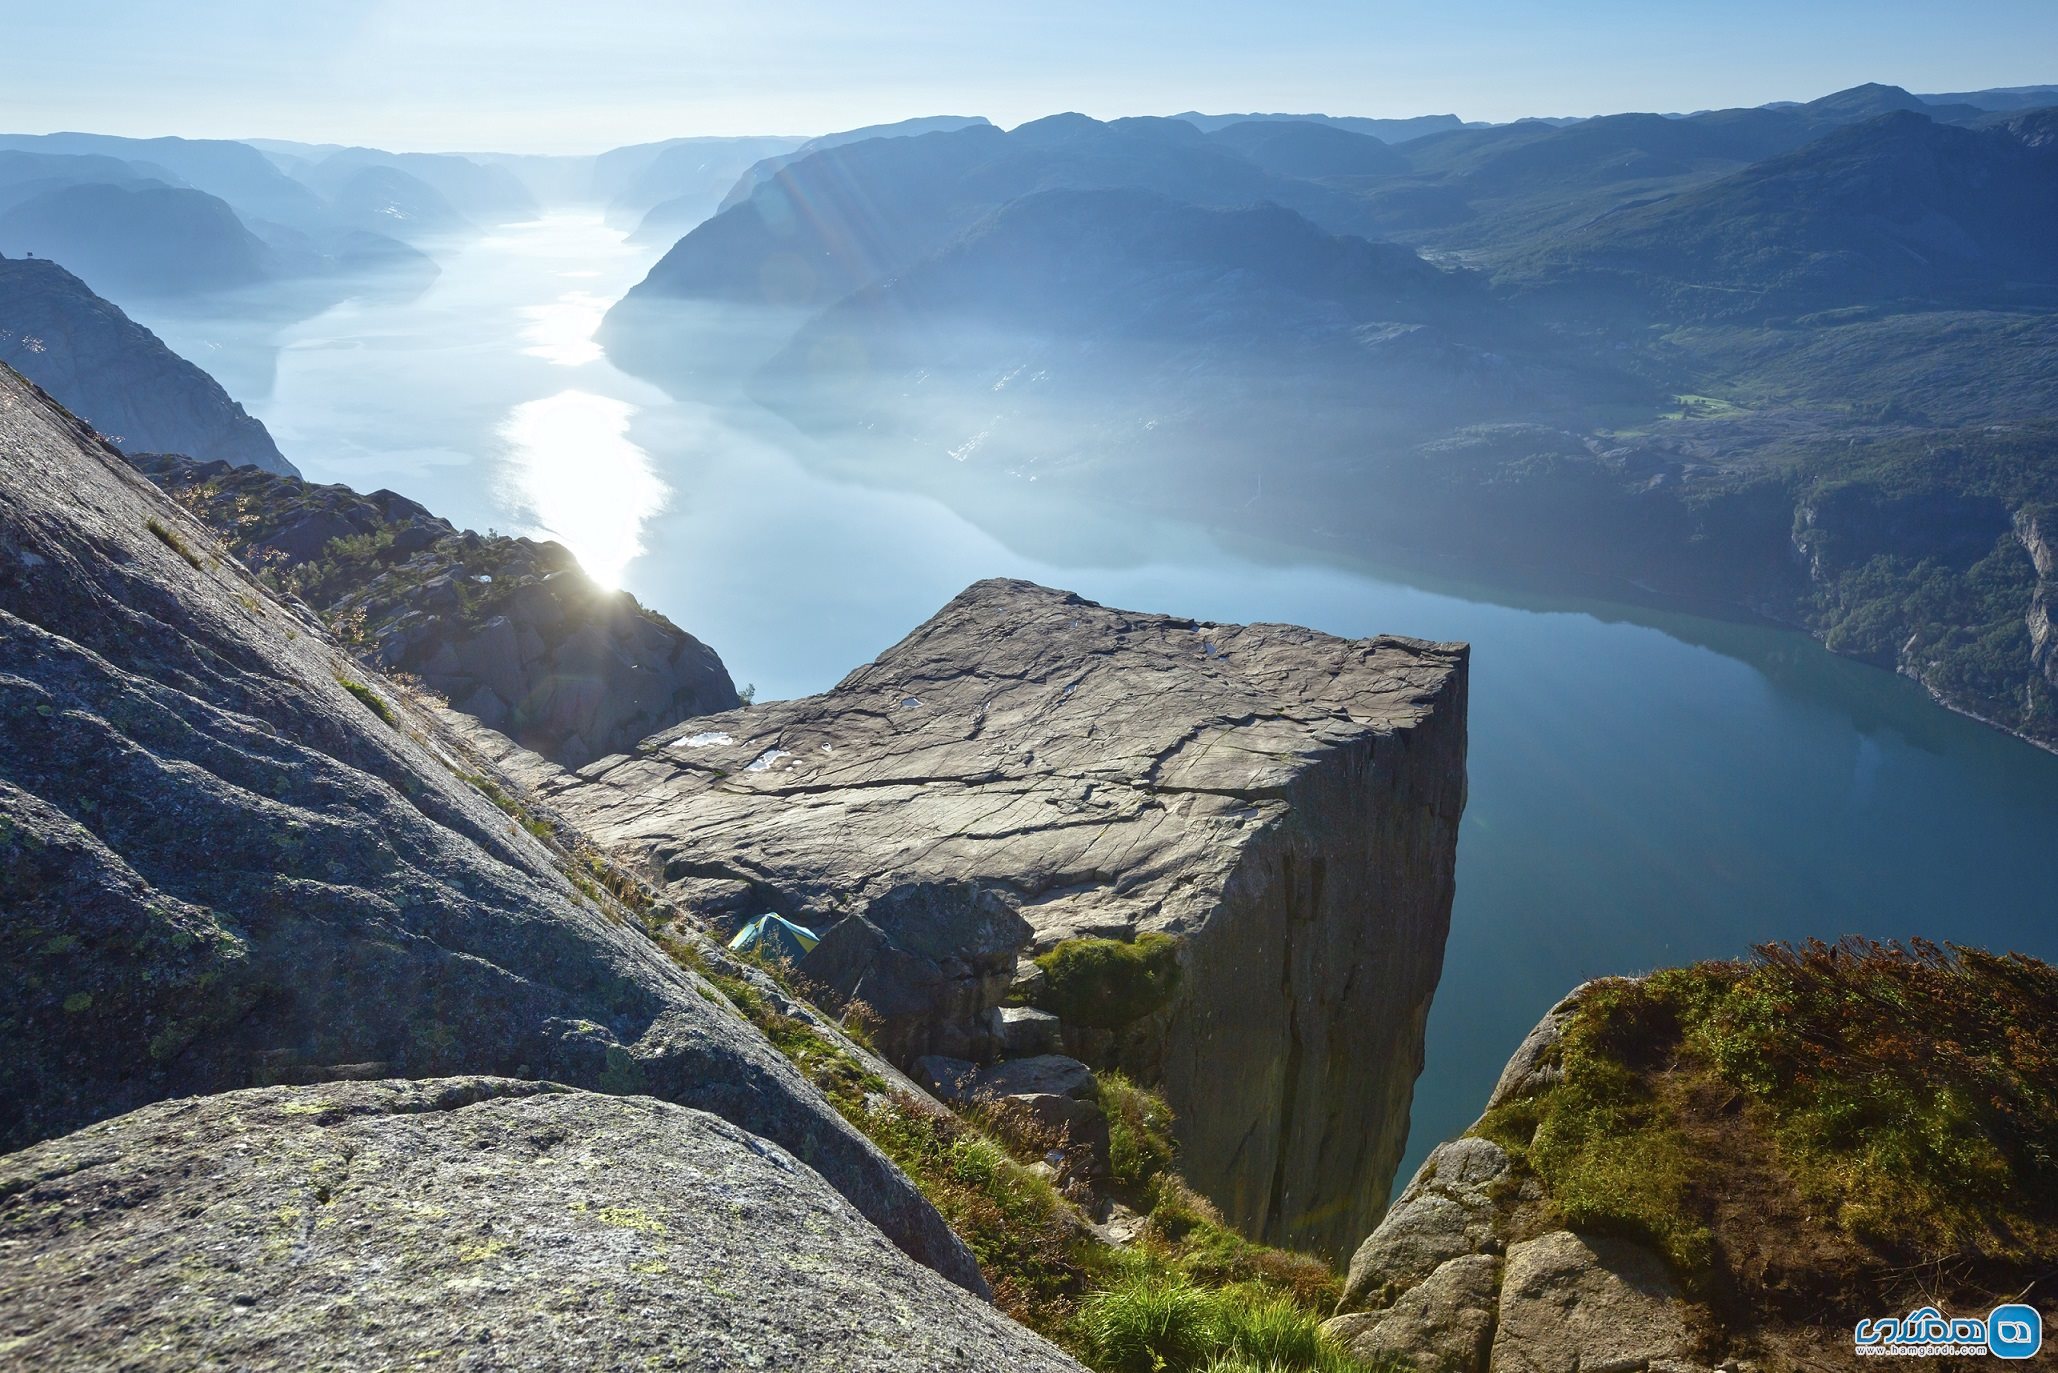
<point x="1283" y="802"/>
<point x="472" y="1223"/>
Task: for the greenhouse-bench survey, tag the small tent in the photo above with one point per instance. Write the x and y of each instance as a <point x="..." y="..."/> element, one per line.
<point x="774" y="937"/>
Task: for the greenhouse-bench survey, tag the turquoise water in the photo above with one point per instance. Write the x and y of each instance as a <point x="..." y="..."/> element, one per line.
<point x="1645" y="787"/>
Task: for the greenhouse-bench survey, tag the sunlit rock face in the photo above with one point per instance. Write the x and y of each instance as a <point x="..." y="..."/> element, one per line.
<point x="510" y="631"/>
<point x="1283" y="803"/>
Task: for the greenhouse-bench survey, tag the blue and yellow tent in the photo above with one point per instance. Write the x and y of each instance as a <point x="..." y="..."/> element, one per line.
<point x="774" y="937"/>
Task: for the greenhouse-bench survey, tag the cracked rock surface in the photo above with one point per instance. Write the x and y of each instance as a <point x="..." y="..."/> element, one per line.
<point x="221" y="866"/>
<point x="1284" y="802"/>
<point x="471" y="1223"/>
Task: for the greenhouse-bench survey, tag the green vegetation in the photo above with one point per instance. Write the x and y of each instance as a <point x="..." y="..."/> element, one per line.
<point x="371" y="699"/>
<point x="1606" y="1138"/>
<point x="172" y="541"/>
<point x="1156" y="1320"/>
<point x="1188" y="1295"/>
<point x="1909" y="1092"/>
<point x="1108" y="983"/>
<point x="1139" y="1130"/>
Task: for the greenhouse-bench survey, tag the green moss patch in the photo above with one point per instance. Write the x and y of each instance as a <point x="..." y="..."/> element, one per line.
<point x="1108" y="983"/>
<point x="371" y="699"/>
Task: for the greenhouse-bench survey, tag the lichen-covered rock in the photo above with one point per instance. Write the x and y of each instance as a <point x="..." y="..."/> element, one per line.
<point x="510" y="631"/>
<point x="1283" y="803"/>
<point x="1443" y="1323"/>
<point x="1448" y="1211"/>
<point x="472" y="1223"/>
<point x="118" y="376"/>
<point x="1581" y="1302"/>
<point x="229" y="857"/>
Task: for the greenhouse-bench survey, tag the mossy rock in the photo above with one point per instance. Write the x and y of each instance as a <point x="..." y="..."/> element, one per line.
<point x="1108" y="983"/>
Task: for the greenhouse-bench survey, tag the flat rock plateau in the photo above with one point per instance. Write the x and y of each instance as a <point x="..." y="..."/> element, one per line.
<point x="1281" y="803"/>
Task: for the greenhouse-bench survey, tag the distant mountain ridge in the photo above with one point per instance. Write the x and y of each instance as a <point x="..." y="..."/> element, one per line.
<point x="1715" y="355"/>
<point x="1385" y="130"/>
<point x="117" y="376"/>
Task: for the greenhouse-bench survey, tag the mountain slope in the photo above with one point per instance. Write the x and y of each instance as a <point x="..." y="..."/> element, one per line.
<point x="1155" y="349"/>
<point x="229" y="857"/>
<point x="1296" y="148"/>
<point x="1892" y="209"/>
<point x="144" y="240"/>
<point x="233" y="172"/>
<point x="116" y="375"/>
<point x="831" y="222"/>
<point x="511" y="631"/>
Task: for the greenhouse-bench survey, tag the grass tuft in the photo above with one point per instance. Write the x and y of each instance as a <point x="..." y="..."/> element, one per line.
<point x="371" y="699"/>
<point x="172" y="541"/>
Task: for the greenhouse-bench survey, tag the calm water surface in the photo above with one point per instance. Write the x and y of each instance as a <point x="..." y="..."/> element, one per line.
<point x="1646" y="788"/>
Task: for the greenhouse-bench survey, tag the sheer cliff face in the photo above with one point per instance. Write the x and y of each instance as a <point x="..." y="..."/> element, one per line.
<point x="1284" y="803"/>
<point x="229" y="856"/>
<point x="116" y="375"/>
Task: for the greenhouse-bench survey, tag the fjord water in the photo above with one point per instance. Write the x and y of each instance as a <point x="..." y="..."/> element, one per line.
<point x="1646" y="787"/>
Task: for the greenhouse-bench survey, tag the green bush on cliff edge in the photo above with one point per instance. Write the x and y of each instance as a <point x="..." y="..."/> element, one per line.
<point x="1908" y="1092"/>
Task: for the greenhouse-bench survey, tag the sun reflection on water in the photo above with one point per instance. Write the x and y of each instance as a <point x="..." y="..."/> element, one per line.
<point x="561" y="331"/>
<point x="574" y="469"/>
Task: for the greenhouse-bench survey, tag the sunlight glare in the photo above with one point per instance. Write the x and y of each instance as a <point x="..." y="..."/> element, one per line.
<point x="561" y="331"/>
<point x="587" y="486"/>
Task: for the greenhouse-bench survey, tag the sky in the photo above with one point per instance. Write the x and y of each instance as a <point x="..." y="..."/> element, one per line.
<point x="584" y="75"/>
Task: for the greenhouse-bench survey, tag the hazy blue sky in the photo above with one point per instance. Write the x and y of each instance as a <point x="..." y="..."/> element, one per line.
<point x="579" y="75"/>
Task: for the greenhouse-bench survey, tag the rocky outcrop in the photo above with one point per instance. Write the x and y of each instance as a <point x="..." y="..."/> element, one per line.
<point x="1282" y="804"/>
<point x="471" y="1222"/>
<point x="1057" y="1097"/>
<point x="1685" y="1170"/>
<point x="116" y="375"/>
<point x="2038" y="531"/>
<point x="510" y="631"/>
<point x="929" y="962"/>
<point x="1472" y="1272"/>
<point x="229" y="856"/>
